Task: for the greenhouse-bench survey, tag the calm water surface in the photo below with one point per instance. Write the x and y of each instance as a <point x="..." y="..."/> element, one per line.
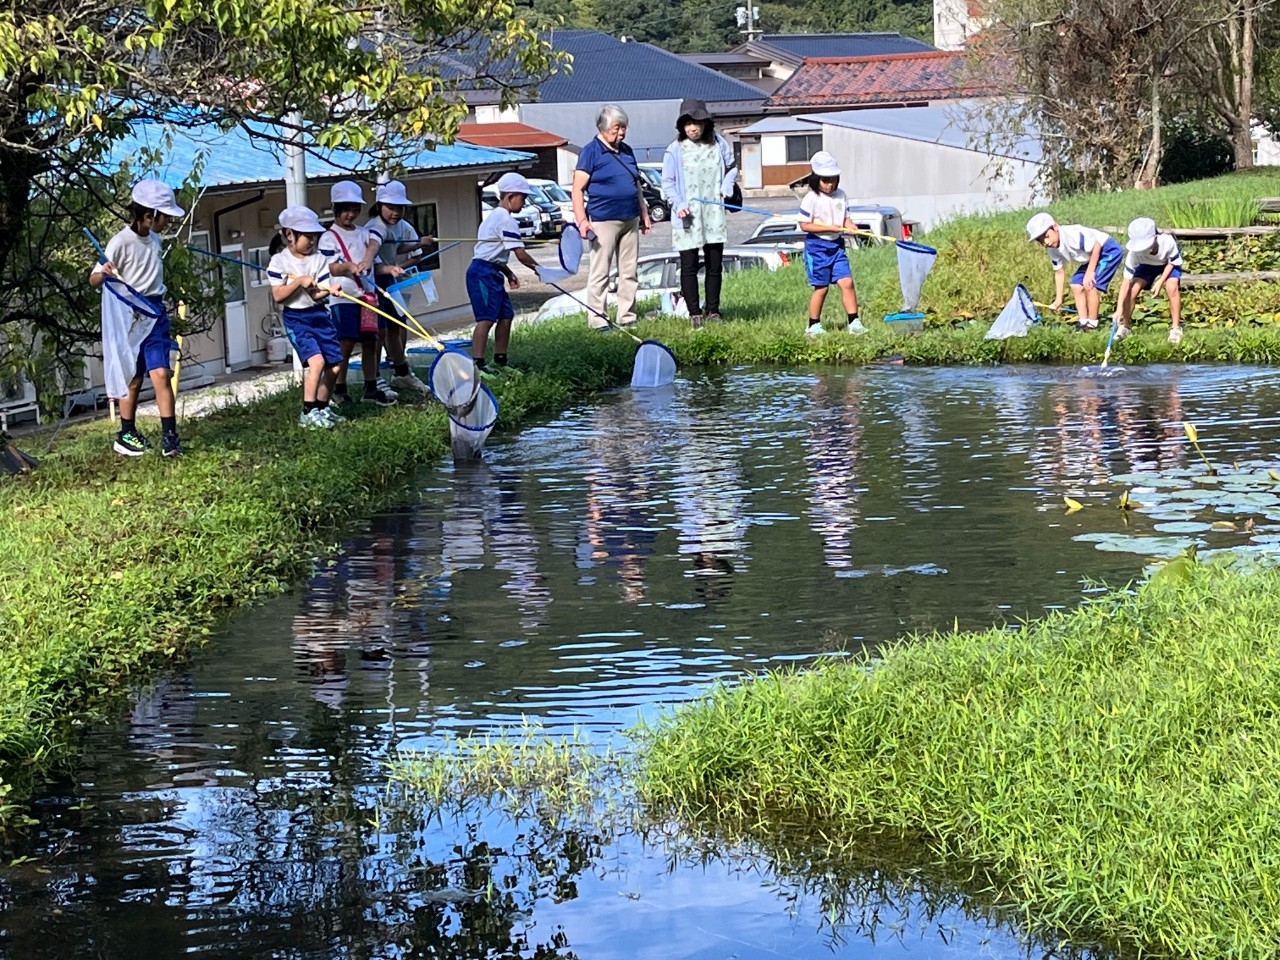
<point x="590" y="572"/>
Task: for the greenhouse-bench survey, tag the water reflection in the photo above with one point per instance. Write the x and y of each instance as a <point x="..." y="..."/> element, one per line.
<point x="596" y="569"/>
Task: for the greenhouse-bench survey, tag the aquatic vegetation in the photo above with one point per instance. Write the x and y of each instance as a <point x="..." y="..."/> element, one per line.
<point x="1115" y="768"/>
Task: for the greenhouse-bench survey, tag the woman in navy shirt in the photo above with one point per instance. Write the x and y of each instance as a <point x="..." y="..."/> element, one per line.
<point x="613" y="216"/>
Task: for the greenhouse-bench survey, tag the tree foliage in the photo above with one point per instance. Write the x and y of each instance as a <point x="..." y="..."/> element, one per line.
<point x="75" y="75"/>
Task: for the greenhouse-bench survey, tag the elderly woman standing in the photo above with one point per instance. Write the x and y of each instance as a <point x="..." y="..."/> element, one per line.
<point x="613" y="217"/>
<point x="698" y="173"/>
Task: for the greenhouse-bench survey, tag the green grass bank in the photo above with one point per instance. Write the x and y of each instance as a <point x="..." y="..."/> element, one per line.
<point x="1116" y="769"/>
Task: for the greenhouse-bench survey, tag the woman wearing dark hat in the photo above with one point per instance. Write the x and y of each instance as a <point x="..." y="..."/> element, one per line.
<point x="698" y="173"/>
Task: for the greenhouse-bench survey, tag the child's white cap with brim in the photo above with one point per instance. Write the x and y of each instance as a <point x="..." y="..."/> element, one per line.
<point x="1142" y="234"/>
<point x="346" y="191"/>
<point x="300" y="220"/>
<point x="156" y="195"/>
<point x="392" y="192"/>
<point x="513" y="183"/>
<point x="824" y="164"/>
<point x="1039" y="225"/>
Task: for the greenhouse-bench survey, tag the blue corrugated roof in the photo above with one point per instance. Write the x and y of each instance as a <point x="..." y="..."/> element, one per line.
<point x="803" y="45"/>
<point x="235" y="158"/>
<point x="606" y="69"/>
<point x="954" y="125"/>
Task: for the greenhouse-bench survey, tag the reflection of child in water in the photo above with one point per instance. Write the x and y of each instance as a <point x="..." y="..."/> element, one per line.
<point x="712" y="577"/>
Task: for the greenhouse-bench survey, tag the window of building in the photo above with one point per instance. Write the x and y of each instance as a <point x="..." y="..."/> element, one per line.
<point x="422" y="217"/>
<point x="259" y="257"/>
<point x="803" y="146"/>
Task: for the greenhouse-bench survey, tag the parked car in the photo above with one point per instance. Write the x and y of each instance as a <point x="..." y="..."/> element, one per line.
<point x="884" y="221"/>
<point x="557" y="195"/>
<point x="659" y="276"/>
<point x="527" y="219"/>
<point x="546" y="211"/>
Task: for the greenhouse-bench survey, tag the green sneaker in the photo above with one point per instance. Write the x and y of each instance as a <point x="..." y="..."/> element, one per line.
<point x="130" y="443"/>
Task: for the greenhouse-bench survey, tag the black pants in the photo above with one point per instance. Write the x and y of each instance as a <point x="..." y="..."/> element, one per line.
<point x="714" y="253"/>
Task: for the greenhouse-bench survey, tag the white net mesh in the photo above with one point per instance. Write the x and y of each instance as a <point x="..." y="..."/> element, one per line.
<point x="469" y="431"/>
<point x="915" y="260"/>
<point x="454" y="381"/>
<point x="655" y="365"/>
<point x="1016" y="318"/>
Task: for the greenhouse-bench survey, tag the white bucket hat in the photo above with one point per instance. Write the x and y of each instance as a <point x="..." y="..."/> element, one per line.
<point x="300" y="220"/>
<point x="156" y="195"/>
<point x="392" y="192"/>
<point x="346" y="191"/>
<point x="1039" y="225"/>
<point x="1142" y="234"/>
<point x="513" y="183"/>
<point x="824" y="164"/>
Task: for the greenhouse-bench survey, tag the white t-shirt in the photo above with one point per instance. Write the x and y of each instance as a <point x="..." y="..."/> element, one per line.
<point x="356" y="240"/>
<point x="137" y="261"/>
<point x="286" y="265"/>
<point x="829" y="208"/>
<point x="1167" y="251"/>
<point x="392" y="235"/>
<point x="1075" y="244"/>
<point x="498" y="235"/>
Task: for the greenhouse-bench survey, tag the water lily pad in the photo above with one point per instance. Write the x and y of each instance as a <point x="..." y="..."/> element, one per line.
<point x="1184" y="526"/>
<point x="1149" y="481"/>
<point x="1131" y="543"/>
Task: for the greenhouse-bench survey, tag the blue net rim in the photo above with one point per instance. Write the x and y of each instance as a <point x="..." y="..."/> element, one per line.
<point x="660" y="345"/>
<point x="914" y="247"/>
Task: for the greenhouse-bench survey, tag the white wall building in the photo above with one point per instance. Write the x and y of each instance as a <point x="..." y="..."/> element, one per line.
<point x="922" y="160"/>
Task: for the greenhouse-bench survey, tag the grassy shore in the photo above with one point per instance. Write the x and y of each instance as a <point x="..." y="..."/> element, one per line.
<point x="1117" y="768"/>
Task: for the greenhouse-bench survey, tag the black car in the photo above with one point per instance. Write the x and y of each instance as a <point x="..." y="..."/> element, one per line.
<point x="651" y="187"/>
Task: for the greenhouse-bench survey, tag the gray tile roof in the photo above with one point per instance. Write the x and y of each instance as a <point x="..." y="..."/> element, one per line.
<point x="606" y="69"/>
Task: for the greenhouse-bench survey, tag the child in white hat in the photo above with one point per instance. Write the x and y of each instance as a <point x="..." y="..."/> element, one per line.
<point x="401" y="247"/>
<point x="1153" y="261"/>
<point x="302" y="280"/>
<point x="824" y="220"/>
<point x="1096" y="254"/>
<point x="135" y="323"/>
<point x="497" y="238"/>
<point x="347" y="242"/>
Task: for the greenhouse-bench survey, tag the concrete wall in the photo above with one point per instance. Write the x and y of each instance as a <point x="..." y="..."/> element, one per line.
<point x="928" y="182"/>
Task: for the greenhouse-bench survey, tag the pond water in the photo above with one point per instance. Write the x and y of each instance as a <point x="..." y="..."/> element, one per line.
<point x="591" y="571"/>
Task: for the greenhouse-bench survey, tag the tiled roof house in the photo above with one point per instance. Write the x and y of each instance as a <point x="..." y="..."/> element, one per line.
<point x="828" y="83"/>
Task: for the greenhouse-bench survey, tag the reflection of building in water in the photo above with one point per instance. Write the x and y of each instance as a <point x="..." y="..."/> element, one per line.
<point x="831" y="461"/>
<point x="624" y="450"/>
<point x="162" y="729"/>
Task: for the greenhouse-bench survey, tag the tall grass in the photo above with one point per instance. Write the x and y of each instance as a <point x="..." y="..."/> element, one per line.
<point x="1212" y="212"/>
<point x="1115" y="769"/>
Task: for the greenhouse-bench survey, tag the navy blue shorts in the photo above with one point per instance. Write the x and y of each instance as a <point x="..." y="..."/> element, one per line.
<point x="1108" y="262"/>
<point x="154" y="352"/>
<point x="825" y="261"/>
<point x="487" y="288"/>
<point x="1150" y="273"/>
<point x="311" y="331"/>
<point x="346" y="321"/>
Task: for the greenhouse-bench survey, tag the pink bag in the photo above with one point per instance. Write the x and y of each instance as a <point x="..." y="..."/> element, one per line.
<point x="368" y="319"/>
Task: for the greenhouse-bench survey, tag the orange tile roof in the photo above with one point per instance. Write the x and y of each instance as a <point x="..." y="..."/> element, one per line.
<point x="893" y="78"/>
<point x="509" y="135"/>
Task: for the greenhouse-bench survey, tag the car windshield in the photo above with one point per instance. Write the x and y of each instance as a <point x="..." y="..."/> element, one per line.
<point x="653" y="176"/>
<point x="555" y="192"/>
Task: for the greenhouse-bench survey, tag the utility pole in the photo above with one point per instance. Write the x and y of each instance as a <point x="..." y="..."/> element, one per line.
<point x="747" y="17"/>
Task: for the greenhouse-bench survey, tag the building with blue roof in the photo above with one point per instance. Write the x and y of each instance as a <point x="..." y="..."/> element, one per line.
<point x="243" y="183"/>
